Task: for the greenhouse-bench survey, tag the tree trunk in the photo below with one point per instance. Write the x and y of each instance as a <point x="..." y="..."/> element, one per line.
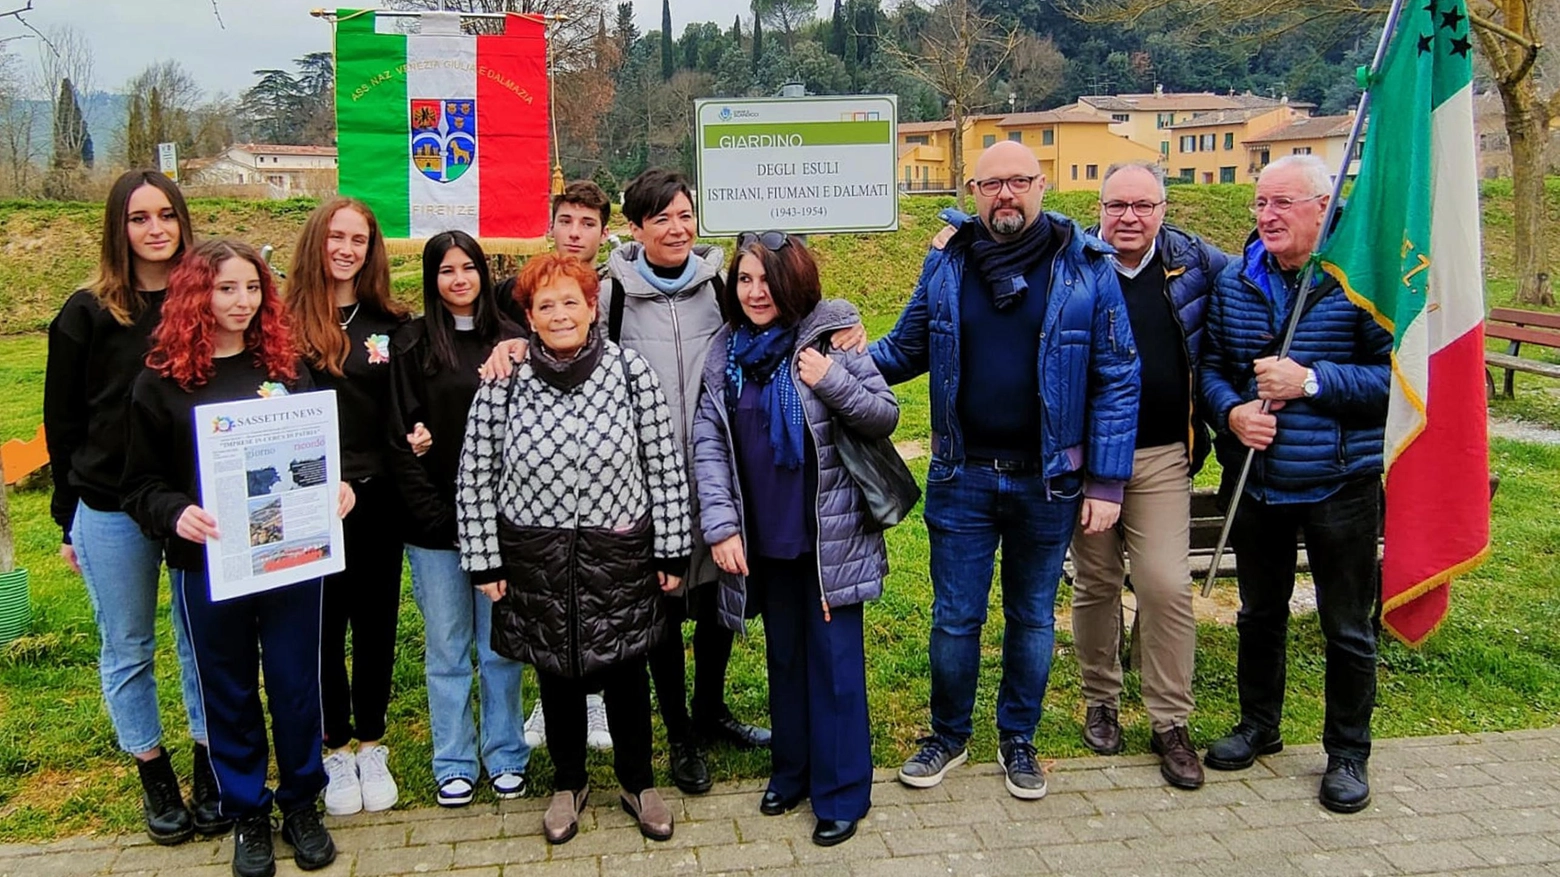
<point x="957" y="165"/>
<point x="7" y="545"/>
<point x="1526" y="127"/>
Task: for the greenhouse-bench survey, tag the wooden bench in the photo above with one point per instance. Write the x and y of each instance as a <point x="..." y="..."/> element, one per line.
<point x="1533" y="328"/>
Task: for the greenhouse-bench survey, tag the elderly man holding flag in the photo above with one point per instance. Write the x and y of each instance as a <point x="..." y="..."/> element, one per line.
<point x="1378" y="368"/>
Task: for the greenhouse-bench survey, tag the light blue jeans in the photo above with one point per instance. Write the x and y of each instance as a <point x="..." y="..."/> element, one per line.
<point x="120" y="566"/>
<point x="457" y="617"/>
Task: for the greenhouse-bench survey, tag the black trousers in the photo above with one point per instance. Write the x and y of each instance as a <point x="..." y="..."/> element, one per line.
<point x="711" y="653"/>
<point x="626" y="692"/>
<point x="234" y="640"/>
<point x="366" y="597"/>
<point x="1340" y="540"/>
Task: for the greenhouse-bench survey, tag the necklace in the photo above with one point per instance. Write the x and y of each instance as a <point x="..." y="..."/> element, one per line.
<point x="350" y="317"/>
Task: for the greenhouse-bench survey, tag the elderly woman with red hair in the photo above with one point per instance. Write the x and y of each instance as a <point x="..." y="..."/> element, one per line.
<point x="223" y="337"/>
<point x="573" y="512"/>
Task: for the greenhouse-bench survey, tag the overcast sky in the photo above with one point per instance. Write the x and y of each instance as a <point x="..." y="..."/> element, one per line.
<point x="126" y="35"/>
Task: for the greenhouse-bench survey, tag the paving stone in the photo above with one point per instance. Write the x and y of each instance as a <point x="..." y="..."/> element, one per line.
<point x="1114" y="826"/>
<point x="1344" y="834"/>
<point x="1446" y="826"/>
<point x="1525" y="796"/>
<point x="1448" y="801"/>
<point x="11" y="851"/>
<point x="656" y="861"/>
<point x="1264" y="842"/>
<point x="406" y="860"/>
<point x="1450" y="776"/>
<point x="152" y="858"/>
<point x="976" y="812"/>
<point x="736" y="857"/>
<point x="949" y="839"/>
<point x="1342" y="863"/>
<point x="1091" y="856"/>
<point x="565" y="868"/>
<point x="1191" y="847"/>
<point x="797" y="823"/>
<point x="1294" y="788"/>
<point x="487" y="825"/>
<point x="1418" y="858"/>
<point x="1131" y="800"/>
<point x="996" y="863"/>
<point x="1055" y="805"/>
<point x="1003" y="835"/>
<point x="1275" y="813"/>
<point x="835" y="859"/>
<point x="711" y="807"/>
<point x="1517" y="821"/>
<point x="503" y="851"/>
<point x="1144" y="777"/>
<point x="1523" y="771"/>
<point x="892" y="818"/>
<point x="1513" y="849"/>
<point x="713" y="832"/>
<point x="888" y="794"/>
<point x="901" y="866"/>
<point x="376" y="837"/>
<point x="1077" y="781"/>
<point x="1194" y="819"/>
<point x="600" y="842"/>
<point x="71" y="864"/>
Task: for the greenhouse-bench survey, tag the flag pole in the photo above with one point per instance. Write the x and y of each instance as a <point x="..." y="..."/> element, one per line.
<point x="1309" y="275"/>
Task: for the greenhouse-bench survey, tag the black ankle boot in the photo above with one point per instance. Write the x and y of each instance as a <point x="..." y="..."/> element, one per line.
<point x="168" y="821"/>
<point x="208" y="817"/>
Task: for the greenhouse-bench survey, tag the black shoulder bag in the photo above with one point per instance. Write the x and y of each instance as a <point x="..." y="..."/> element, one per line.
<point x="876" y="467"/>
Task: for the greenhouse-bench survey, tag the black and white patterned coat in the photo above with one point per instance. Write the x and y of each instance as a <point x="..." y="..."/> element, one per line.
<point x="576" y="498"/>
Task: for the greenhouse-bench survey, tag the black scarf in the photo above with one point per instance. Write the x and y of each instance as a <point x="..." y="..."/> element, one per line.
<point x="567" y="374"/>
<point x="1003" y="264"/>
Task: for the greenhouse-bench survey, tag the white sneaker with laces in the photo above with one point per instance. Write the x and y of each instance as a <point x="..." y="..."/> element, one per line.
<point x="457" y="792"/>
<point x="508" y="785"/>
<point x="343" y="792"/>
<point x="536" y="727"/>
<point x="379" y="789"/>
<point x="597" y="734"/>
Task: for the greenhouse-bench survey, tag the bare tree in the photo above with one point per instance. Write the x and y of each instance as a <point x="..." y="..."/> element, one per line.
<point x="163" y="97"/>
<point x="64" y="54"/>
<point x="19" y="150"/>
<point x="960" y="51"/>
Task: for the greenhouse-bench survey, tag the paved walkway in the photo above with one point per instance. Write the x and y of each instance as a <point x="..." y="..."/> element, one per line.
<point x="1486" y="805"/>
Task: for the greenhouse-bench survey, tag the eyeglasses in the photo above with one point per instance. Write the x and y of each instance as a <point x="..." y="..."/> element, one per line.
<point x="1016" y="185"/>
<point x="1140" y="208"/>
<point x="1279" y="205"/>
<point x="770" y="240"/>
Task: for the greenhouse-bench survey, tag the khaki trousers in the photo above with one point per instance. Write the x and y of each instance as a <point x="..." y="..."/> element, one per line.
<point x="1154" y="532"/>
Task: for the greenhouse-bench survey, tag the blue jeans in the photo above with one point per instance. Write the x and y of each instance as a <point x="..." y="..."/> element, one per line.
<point x="456" y="617"/>
<point x="120" y="567"/>
<point x="970" y="510"/>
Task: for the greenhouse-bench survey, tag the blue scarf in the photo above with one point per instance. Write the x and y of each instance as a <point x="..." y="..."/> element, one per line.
<point x="760" y="356"/>
<point x="668" y="287"/>
<point x="1003" y="264"/>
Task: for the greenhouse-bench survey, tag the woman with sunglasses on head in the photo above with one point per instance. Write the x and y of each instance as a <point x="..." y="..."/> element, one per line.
<point x="224" y="337"/>
<point x="433" y="366"/>
<point x="338" y="300"/>
<point x="96" y="347"/>
<point x="782" y="515"/>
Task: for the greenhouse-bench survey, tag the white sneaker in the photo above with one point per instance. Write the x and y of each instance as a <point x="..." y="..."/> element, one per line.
<point x="536" y="727"/>
<point x="597" y="735"/>
<point x="379" y="789"/>
<point x="509" y="785"/>
<point x="457" y="792"/>
<point x="343" y="792"/>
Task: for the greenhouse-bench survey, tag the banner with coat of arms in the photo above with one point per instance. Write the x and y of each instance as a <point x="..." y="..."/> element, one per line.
<point x="439" y="130"/>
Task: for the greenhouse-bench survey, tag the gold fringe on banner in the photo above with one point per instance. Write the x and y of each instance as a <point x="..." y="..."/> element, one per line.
<point x="491" y="246"/>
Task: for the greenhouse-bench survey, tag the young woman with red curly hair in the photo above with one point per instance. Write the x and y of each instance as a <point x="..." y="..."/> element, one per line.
<point x="96" y="347"/>
<point x="338" y="299"/>
<point x="224" y="336"/>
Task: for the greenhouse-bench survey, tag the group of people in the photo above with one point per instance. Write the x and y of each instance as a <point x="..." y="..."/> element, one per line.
<point x="578" y="459"/>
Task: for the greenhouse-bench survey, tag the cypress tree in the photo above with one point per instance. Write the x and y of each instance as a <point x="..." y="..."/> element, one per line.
<point x="666" y="39"/>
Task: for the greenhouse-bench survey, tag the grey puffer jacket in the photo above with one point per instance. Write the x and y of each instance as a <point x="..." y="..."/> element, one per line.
<point x="852" y="559"/>
<point x="672" y="332"/>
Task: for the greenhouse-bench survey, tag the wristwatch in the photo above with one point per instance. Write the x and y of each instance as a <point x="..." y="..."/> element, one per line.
<point x="1311" y="386"/>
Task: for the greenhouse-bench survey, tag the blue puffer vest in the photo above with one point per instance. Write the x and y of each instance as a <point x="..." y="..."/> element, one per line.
<point x="1322" y="441"/>
<point x="1088" y="367"/>
<point x="852" y="558"/>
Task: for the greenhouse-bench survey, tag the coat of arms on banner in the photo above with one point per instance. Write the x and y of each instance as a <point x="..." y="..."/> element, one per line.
<point x="444" y="137"/>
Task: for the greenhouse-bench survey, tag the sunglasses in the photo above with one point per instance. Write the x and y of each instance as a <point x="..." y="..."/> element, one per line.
<point x="771" y="240"/>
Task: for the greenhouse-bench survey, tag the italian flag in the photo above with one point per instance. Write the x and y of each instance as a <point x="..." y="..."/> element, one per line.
<point x="1407" y="250"/>
<point x="439" y="130"/>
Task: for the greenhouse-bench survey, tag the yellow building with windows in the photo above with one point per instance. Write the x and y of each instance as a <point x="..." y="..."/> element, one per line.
<point x="1147" y="118"/>
<point x="1074" y="148"/>
<point x="1324" y="136"/>
<point x="1211" y="148"/>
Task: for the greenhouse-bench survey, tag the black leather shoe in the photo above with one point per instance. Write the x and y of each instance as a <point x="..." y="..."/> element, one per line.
<point x="774" y="805"/>
<point x="203" y="802"/>
<point x="312" y="847"/>
<point x="168" y="821"/>
<point x="689" y="772"/>
<point x="1240" y="749"/>
<point x="1102" y="730"/>
<point x="1345" y="786"/>
<point x="253" y="855"/>
<point x="728" y="729"/>
<point x="834" y="831"/>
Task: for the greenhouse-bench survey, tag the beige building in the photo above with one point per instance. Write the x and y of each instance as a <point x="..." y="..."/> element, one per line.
<point x="1146" y="118"/>
<point x="283" y="171"/>
<point x="1211" y="147"/>
<point x="1324" y="136"/>
<point x="1489" y="120"/>
<point x="1073" y="148"/>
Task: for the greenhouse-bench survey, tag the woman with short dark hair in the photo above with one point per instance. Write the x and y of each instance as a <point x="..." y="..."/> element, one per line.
<point x="786" y="523"/>
<point x="572" y="505"/>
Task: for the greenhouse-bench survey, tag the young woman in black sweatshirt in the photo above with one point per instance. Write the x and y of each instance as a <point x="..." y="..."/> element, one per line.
<point x="224" y="337"/>
<point x="96" y="345"/>
<point x="342" y="316"/>
<point x="433" y="368"/>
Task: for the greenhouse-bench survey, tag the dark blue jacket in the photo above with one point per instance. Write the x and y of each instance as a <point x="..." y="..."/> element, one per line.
<point x="1323" y="441"/>
<point x="1088" y="368"/>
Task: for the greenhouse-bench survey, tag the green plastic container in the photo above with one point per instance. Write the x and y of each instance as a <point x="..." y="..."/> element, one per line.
<point x="15" y="605"/>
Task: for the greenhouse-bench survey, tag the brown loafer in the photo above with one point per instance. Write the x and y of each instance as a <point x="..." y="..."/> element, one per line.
<point x="649" y="809"/>
<point x="1177" y="758"/>
<point x="1102" y="730"/>
<point x="562" y="819"/>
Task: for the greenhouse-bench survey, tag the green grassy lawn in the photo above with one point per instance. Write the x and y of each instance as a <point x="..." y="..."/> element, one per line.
<point x="1495" y="664"/>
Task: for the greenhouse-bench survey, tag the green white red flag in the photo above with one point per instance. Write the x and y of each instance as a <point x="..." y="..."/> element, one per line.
<point x="1406" y="249"/>
<point x="440" y="130"/>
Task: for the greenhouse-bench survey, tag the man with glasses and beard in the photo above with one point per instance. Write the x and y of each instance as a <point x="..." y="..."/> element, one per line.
<point x="1166" y="276"/>
<point x="1034" y="380"/>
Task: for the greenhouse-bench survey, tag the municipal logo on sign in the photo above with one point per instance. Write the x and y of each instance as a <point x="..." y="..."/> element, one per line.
<point x="444" y="137"/>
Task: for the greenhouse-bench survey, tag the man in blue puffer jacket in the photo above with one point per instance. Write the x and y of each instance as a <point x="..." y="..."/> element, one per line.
<point x="1318" y="470"/>
<point x="1034" y="395"/>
